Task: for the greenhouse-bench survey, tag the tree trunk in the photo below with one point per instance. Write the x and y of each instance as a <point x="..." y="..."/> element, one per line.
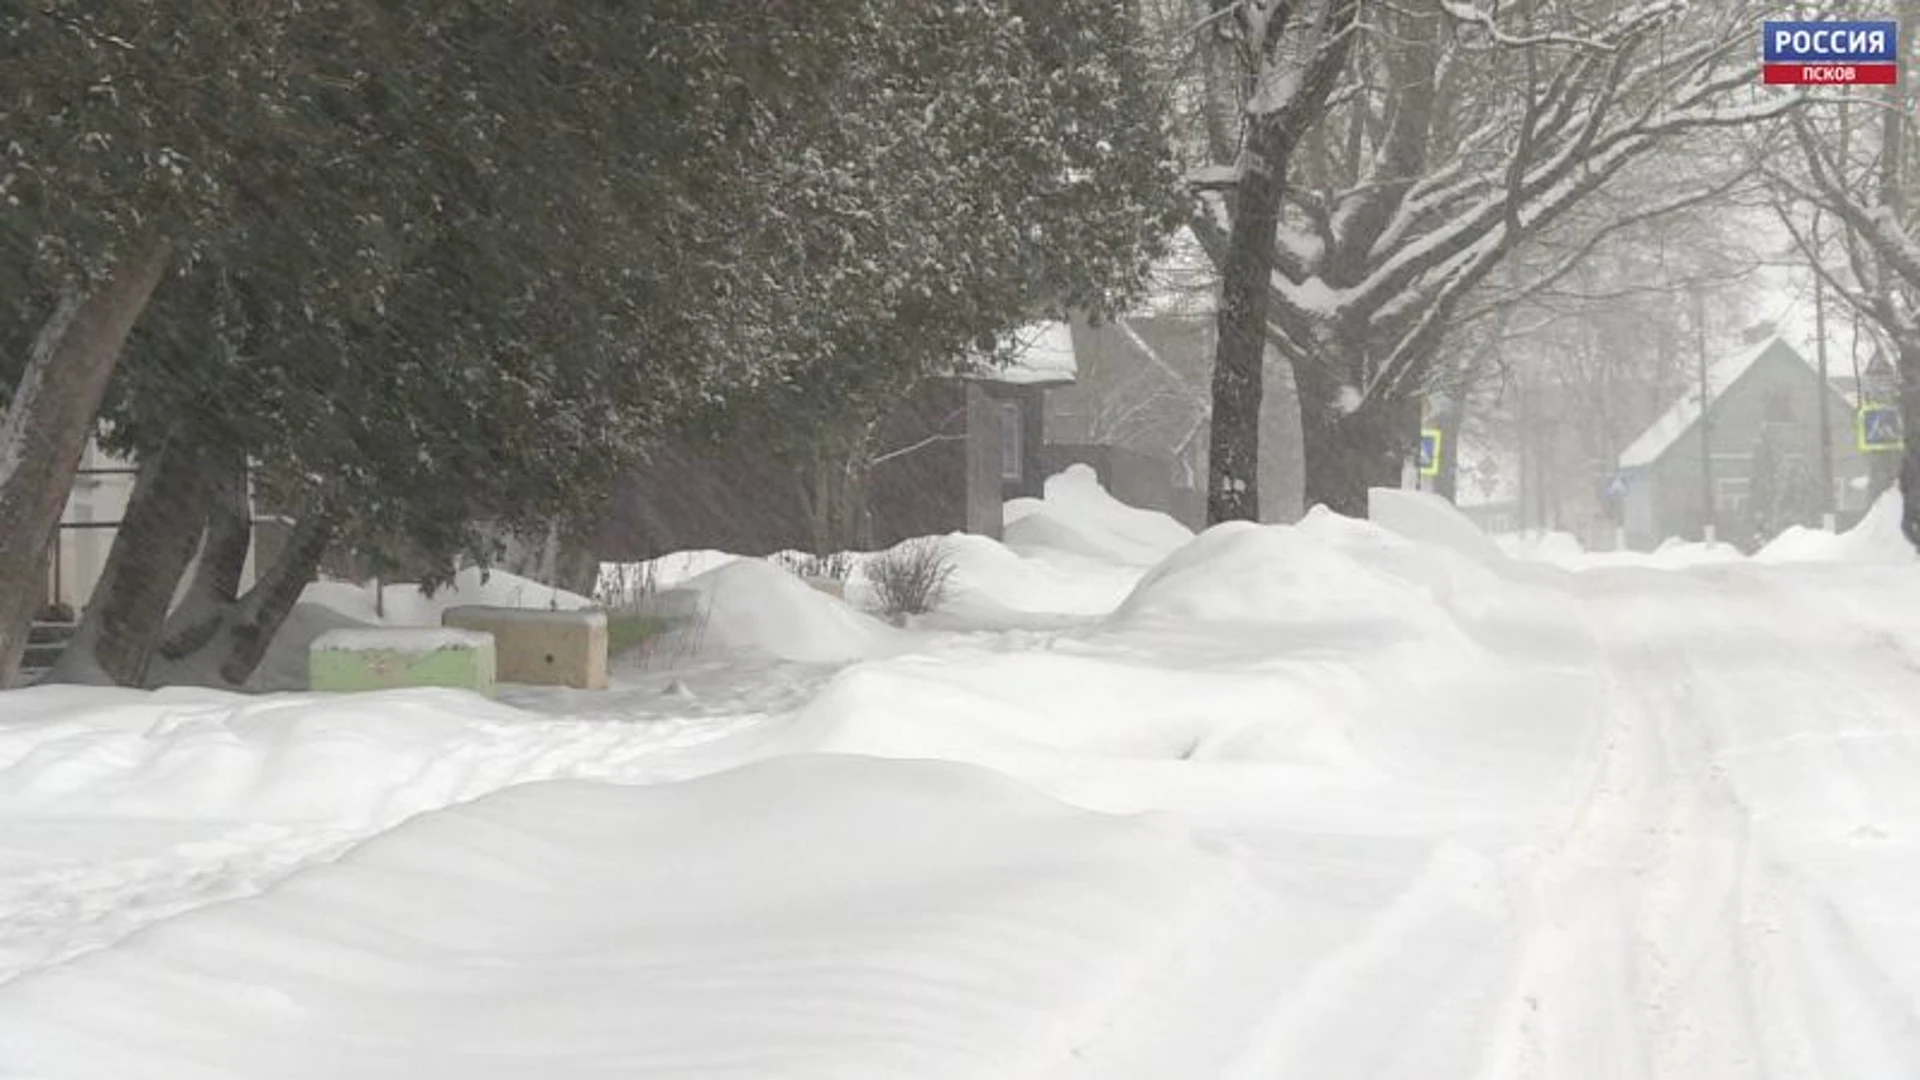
<point x="223" y="558"/>
<point x="125" y="618"/>
<point x="1910" y="457"/>
<point x="1274" y="131"/>
<point x="1233" y="467"/>
<point x="46" y="430"/>
<point x="259" y="615"/>
<point x="1348" y="454"/>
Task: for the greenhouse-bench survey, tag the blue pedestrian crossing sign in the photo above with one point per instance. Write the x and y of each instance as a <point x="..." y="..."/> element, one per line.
<point x="1878" y="427"/>
<point x="1616" y="487"/>
<point x="1429" y="451"/>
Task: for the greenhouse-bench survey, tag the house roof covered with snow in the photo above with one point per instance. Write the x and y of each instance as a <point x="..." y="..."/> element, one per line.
<point x="1664" y="432"/>
<point x="1042" y="355"/>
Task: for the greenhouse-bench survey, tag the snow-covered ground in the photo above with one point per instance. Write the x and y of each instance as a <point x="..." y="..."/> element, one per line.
<point x="1344" y="799"/>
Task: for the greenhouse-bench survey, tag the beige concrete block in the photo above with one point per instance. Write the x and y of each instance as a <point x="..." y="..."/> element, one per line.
<point x="541" y="647"/>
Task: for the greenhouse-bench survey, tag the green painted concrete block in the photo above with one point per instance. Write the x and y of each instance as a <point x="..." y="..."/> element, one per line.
<point x="388" y="659"/>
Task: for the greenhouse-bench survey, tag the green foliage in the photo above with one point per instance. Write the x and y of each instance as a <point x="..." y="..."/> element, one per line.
<point x="453" y="263"/>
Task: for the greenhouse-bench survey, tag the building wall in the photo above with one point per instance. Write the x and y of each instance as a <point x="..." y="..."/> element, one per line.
<point x="1736" y="420"/>
<point x="744" y="496"/>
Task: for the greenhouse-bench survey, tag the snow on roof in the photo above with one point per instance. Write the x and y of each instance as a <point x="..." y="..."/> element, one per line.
<point x="1678" y="420"/>
<point x="1042" y="354"/>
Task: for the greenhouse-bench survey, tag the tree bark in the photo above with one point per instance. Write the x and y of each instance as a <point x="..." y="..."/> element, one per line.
<point x="227" y="538"/>
<point x="1348" y="455"/>
<point x="46" y="430"/>
<point x="126" y="616"/>
<point x="1910" y="456"/>
<point x="259" y="615"/>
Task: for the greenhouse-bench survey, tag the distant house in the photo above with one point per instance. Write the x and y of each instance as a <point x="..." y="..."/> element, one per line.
<point x="1767" y="392"/>
<point x="948" y="457"/>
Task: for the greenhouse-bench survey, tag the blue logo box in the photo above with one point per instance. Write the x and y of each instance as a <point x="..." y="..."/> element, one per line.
<point x="1831" y="42"/>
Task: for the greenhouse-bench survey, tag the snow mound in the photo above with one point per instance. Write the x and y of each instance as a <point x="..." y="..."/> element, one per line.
<point x="751" y="605"/>
<point x="1242" y="573"/>
<point x="1077" y="515"/>
<point x="1876" y="538"/>
<point x="1044" y="716"/>
<point x="825" y="916"/>
<point x="195" y="754"/>
<point x="665" y="572"/>
<point x="992" y="581"/>
<point x="1547" y="546"/>
<point x="1429" y="519"/>
<point x="1676" y="554"/>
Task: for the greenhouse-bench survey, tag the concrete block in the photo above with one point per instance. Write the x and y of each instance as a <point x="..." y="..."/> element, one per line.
<point x="541" y="647"/>
<point x="387" y="659"/>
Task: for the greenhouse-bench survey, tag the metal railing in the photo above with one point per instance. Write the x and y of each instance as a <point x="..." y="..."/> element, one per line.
<point x="57" y="578"/>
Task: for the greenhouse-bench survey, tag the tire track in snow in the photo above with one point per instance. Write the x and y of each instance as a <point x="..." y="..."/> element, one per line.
<point x="1639" y="921"/>
<point x="1689" y="923"/>
<point x="1832" y="781"/>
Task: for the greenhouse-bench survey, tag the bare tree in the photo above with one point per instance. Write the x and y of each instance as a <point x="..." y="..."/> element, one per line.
<point x="1859" y="160"/>
<point x="1459" y="133"/>
<point x="1293" y="54"/>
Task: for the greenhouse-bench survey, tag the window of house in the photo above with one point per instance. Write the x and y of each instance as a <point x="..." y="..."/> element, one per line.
<point x="1730" y="494"/>
<point x="1012" y="445"/>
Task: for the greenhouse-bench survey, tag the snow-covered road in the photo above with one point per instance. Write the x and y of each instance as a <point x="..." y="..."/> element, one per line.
<point x="1730" y="899"/>
<point x="1314" y="802"/>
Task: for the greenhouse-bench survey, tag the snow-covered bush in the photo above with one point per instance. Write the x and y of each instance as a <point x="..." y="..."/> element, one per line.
<point x="807" y="566"/>
<point x="911" y="578"/>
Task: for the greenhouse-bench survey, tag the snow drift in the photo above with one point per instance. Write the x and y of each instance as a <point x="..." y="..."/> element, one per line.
<point x="1239" y="573"/>
<point x="1875" y="538"/>
<point x="811" y="916"/>
<point x="1078" y="516"/>
<point x="754" y="606"/>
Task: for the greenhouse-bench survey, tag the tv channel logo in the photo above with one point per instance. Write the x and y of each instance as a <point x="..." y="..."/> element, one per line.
<point x="1831" y="53"/>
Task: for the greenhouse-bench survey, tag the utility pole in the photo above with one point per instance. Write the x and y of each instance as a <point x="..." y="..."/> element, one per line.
<point x="1707" y="516"/>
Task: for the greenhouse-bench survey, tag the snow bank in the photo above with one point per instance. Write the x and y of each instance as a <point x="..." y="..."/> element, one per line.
<point x="1078" y="516"/>
<point x="1429" y="519"/>
<point x="994" y="584"/>
<point x="666" y="572"/>
<point x="1544" y="545"/>
<point x="817" y="916"/>
<point x="1047" y="716"/>
<point x="1875" y="538"/>
<point x="1241" y="573"/>
<point x="187" y="754"/>
<point x="754" y="606"/>
<point x="1677" y="554"/>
